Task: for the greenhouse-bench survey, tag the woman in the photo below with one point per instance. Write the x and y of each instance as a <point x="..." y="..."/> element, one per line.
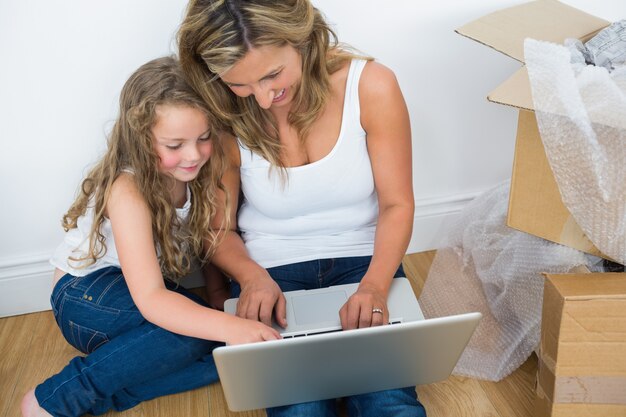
<point x="323" y="157"/>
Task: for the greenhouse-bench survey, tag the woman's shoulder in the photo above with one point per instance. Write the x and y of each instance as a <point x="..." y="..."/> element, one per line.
<point x="376" y="80"/>
<point x="340" y="75"/>
<point x="379" y="95"/>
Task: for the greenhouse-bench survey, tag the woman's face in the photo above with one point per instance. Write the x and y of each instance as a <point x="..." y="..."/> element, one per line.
<point x="269" y="73"/>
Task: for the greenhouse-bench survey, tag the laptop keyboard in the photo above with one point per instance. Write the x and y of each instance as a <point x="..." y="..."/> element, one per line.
<point x="313" y="333"/>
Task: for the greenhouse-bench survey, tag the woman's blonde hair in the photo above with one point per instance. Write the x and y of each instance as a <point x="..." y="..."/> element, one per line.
<point x="215" y="34"/>
<point x="131" y="149"/>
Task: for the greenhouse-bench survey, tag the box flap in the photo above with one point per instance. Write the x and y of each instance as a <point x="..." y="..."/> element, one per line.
<point x="548" y="20"/>
<point x="515" y="91"/>
<point x="590" y="286"/>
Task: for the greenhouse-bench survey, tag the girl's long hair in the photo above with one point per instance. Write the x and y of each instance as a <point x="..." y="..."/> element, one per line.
<point x="215" y="34"/>
<point x="131" y="149"/>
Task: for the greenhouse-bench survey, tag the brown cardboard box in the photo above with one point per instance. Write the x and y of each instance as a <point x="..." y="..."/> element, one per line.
<point x="582" y="360"/>
<point x="535" y="204"/>
<point x="582" y="363"/>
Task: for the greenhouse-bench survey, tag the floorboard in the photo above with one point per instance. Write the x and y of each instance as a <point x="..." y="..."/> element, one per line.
<point x="32" y="348"/>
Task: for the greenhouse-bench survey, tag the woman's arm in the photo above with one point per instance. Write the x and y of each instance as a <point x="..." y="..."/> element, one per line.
<point x="260" y="295"/>
<point x="131" y="221"/>
<point x="385" y="118"/>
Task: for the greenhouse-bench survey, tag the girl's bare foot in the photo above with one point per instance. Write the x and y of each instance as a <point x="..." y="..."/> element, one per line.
<point x="30" y="406"/>
<point x="217" y="286"/>
<point x="216" y="298"/>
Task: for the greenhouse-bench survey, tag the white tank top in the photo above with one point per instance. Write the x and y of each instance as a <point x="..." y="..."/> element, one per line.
<point x="326" y="209"/>
<point x="76" y="243"/>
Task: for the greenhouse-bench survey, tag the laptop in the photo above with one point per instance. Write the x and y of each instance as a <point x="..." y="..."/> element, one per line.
<point x="316" y="360"/>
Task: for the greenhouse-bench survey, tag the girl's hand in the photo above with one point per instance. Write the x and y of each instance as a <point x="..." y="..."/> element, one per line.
<point x="367" y="307"/>
<point x="249" y="331"/>
<point x="260" y="296"/>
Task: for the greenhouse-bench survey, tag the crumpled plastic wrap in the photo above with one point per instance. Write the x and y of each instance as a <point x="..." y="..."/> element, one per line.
<point x="581" y="114"/>
<point x="483" y="265"/>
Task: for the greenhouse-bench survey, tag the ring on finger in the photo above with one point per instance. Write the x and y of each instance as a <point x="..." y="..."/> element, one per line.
<point x="377" y="310"/>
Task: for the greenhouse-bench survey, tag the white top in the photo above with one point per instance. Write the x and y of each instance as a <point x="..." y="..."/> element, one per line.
<point x="326" y="209"/>
<point x="76" y="243"/>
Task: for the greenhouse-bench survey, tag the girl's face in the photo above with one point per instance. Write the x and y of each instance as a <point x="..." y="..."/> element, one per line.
<point x="182" y="140"/>
<point x="269" y="73"/>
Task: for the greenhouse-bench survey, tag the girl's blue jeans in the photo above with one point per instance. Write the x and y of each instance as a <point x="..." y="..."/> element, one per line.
<point x="128" y="359"/>
<point x="324" y="273"/>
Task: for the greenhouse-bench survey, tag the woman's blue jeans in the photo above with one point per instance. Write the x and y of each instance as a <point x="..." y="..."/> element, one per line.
<point x="129" y="360"/>
<point x="324" y="273"/>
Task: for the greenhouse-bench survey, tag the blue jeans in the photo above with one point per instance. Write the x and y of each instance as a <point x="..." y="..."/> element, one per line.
<point x="128" y="359"/>
<point x="324" y="273"/>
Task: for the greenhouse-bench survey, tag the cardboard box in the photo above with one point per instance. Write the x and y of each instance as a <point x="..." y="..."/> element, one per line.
<point x="582" y="359"/>
<point x="535" y="204"/>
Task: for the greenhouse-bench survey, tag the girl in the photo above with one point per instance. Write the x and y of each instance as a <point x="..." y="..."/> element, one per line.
<point x="323" y="156"/>
<point x="140" y="220"/>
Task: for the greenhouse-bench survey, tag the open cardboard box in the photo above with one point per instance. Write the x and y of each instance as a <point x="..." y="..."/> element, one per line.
<point x="582" y="360"/>
<point x="582" y="364"/>
<point x="535" y="204"/>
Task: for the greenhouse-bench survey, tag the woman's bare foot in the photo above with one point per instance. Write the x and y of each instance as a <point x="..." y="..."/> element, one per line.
<point x="30" y="406"/>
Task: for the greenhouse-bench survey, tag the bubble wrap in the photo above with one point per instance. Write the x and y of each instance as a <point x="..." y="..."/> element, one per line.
<point x="581" y="113"/>
<point x="483" y="265"/>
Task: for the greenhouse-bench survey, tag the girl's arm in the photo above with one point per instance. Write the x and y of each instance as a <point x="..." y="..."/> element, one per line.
<point x="131" y="221"/>
<point x="385" y="118"/>
<point x="260" y="295"/>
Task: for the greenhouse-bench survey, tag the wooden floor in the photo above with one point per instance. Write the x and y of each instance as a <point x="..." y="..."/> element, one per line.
<point x="32" y="348"/>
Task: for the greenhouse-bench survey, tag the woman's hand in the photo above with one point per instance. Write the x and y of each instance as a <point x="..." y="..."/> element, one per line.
<point x="249" y="331"/>
<point x="260" y="296"/>
<point x="367" y="307"/>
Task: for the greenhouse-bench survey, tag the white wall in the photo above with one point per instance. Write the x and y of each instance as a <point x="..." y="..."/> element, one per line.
<point x="63" y="63"/>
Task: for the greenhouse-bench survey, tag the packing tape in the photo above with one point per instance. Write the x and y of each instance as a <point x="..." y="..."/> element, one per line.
<point x="596" y="389"/>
